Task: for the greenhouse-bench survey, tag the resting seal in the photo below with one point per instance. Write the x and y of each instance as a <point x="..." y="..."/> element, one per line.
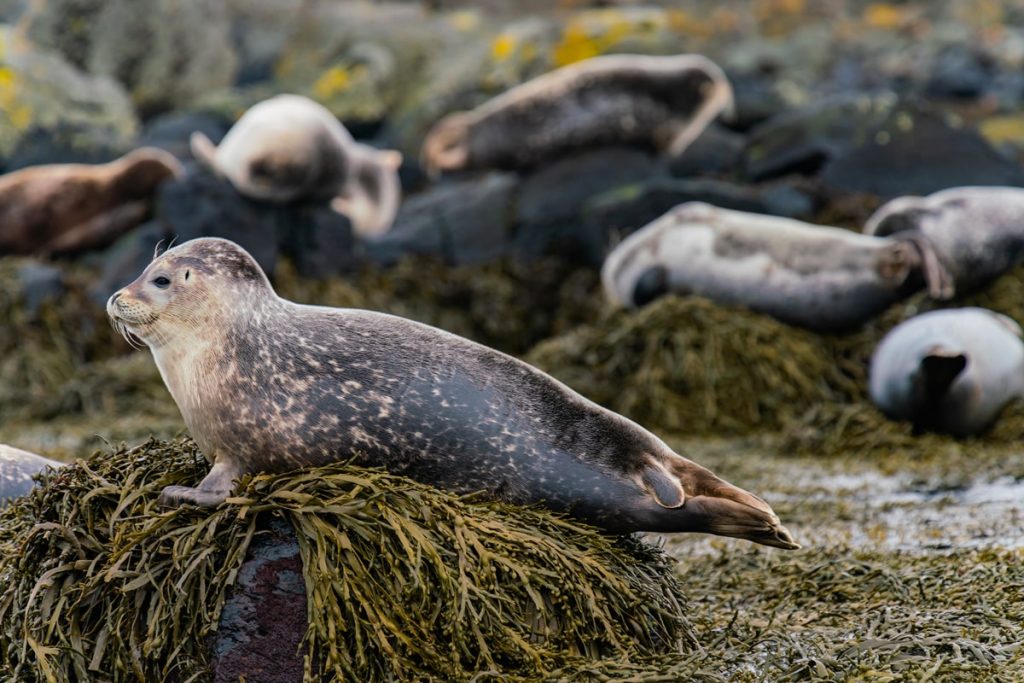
<point x="658" y="102"/>
<point x="977" y="233"/>
<point x="812" y="276"/>
<point x="265" y="384"/>
<point x="289" y="148"/>
<point x="17" y="467"/>
<point x="60" y="208"/>
<point x="949" y="371"/>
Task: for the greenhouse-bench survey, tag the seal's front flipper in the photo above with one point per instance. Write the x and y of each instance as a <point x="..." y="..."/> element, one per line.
<point x="176" y="496"/>
<point x="713" y="505"/>
<point x="204" y="151"/>
<point x="211" y="492"/>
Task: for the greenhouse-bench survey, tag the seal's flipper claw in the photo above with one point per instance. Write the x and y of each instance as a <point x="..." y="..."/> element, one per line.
<point x="176" y="496"/>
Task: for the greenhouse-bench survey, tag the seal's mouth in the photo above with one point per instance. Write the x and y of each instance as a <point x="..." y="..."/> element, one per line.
<point x="130" y="320"/>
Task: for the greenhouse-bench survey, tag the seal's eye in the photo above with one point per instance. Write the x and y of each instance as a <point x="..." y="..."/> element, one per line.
<point x="162" y="282"/>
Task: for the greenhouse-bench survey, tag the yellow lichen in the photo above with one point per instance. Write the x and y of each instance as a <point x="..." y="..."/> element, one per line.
<point x="885" y="16"/>
<point x="1002" y="129"/>
<point x="575" y="46"/>
<point x="595" y="32"/>
<point x="333" y="81"/>
<point x="502" y="47"/>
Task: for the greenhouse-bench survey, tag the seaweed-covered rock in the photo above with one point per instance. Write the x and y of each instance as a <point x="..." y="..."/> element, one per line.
<point x="41" y="93"/>
<point x="187" y="49"/>
<point x="687" y="365"/>
<point x="876" y="145"/>
<point x="403" y="581"/>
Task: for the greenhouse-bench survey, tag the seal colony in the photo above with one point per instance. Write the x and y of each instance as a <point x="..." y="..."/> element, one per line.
<point x="816" y="277"/>
<point x="658" y="102"/>
<point x="289" y="148"/>
<point x="265" y="384"/>
<point x="949" y="371"/>
<point x="62" y="208"/>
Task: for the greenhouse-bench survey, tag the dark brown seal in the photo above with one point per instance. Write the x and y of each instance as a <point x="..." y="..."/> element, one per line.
<point x="813" y="276"/>
<point x="61" y="208"/>
<point x="659" y="102"/>
<point x="265" y="384"/>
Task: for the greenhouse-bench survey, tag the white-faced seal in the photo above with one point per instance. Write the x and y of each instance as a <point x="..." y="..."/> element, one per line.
<point x="265" y="384"/>
<point x="289" y="147"/>
<point x="60" y="208"/>
<point x="813" y="276"/>
<point x="659" y="102"/>
<point x="977" y="233"/>
<point x="17" y="467"/>
<point x="949" y="371"/>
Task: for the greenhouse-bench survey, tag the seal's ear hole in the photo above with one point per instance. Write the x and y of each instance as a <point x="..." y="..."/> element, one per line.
<point x="187" y="274"/>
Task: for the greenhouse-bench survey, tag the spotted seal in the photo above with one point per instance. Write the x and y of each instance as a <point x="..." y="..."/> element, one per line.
<point x="265" y="384"/>
<point x="813" y="276"/>
<point x="950" y="370"/>
<point x="17" y="467"/>
<point x="289" y="148"/>
<point x="659" y="102"/>
<point x="977" y="233"/>
<point x="63" y="208"/>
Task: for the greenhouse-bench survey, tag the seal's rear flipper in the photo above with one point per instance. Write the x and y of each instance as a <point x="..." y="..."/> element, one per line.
<point x="204" y="151"/>
<point x="710" y="505"/>
<point x="939" y="369"/>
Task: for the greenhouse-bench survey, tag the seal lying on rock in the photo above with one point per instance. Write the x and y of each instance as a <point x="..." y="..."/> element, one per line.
<point x="977" y="233"/>
<point x="812" y="276"/>
<point x="949" y="371"/>
<point x="289" y="147"/>
<point x="17" y="467"/>
<point x="265" y="384"/>
<point x="63" y="208"/>
<point x="658" y="102"/>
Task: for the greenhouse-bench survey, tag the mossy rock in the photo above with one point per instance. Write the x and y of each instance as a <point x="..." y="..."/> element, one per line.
<point x="402" y="580"/>
<point x="42" y="92"/>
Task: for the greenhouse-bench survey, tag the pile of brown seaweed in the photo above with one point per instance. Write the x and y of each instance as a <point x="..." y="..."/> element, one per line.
<point x="402" y="580"/>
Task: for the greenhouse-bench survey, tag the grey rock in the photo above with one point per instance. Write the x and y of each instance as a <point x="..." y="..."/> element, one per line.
<point x="550" y="208"/>
<point x="461" y="222"/>
<point x="186" y="49"/>
<point x="624" y="210"/>
<point x="264" y="621"/>
<point x="172" y="131"/>
<point x="717" y="150"/>
<point x="876" y="145"/>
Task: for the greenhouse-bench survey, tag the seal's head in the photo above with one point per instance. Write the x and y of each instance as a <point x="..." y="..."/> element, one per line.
<point x="207" y="284"/>
<point x="446" y="147"/>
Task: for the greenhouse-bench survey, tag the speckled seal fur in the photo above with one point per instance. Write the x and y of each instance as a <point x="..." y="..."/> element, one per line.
<point x="949" y="371"/>
<point x="976" y="233"/>
<point x="813" y="276"/>
<point x="289" y="148"/>
<point x="17" y="467"/>
<point x="63" y="208"/>
<point x="659" y="102"/>
<point x="265" y="384"/>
